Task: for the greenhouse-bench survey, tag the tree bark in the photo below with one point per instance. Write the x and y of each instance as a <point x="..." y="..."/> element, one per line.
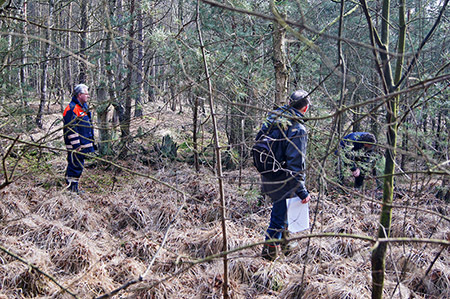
<point x="280" y="61"/>
<point x="194" y="132"/>
<point x="83" y="40"/>
<point x="379" y="252"/>
<point x="139" y="63"/>
<point x="69" y="73"/>
<point x="44" y="65"/>
<point x="102" y="117"/>
<point x="217" y="155"/>
<point x="126" y="119"/>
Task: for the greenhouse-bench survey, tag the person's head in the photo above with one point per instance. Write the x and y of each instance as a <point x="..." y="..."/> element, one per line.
<point x="81" y="93"/>
<point x="370" y="139"/>
<point x="299" y="100"/>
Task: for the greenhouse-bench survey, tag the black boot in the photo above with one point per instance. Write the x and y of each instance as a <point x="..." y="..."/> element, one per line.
<point x="269" y="252"/>
<point x="73" y="187"/>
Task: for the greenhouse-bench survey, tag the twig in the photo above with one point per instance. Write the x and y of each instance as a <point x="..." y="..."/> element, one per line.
<point x="34" y="267"/>
<point x="5" y="171"/>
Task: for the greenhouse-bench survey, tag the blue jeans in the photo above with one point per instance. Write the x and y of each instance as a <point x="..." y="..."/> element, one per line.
<point x="278" y="220"/>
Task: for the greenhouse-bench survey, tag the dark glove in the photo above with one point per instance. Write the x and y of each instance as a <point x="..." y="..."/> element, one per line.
<point x="95" y="147"/>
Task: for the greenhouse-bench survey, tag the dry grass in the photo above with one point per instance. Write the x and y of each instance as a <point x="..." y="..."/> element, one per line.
<point x="21" y="280"/>
<point x="96" y="242"/>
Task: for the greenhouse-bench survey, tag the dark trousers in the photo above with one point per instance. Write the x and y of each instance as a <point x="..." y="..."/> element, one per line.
<point x="359" y="181"/>
<point x="278" y="220"/>
<point x="75" y="165"/>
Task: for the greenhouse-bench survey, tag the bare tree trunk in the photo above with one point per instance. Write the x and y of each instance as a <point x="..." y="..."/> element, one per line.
<point x="83" y="40"/>
<point x="44" y="65"/>
<point x="139" y="63"/>
<point x="194" y="132"/>
<point x="23" y="76"/>
<point x="379" y="253"/>
<point x="280" y="62"/>
<point x="108" y="49"/>
<point x="218" y="157"/>
<point x="23" y="70"/>
<point x="102" y="117"/>
<point x="126" y="120"/>
<point x="341" y="117"/>
<point x="69" y="74"/>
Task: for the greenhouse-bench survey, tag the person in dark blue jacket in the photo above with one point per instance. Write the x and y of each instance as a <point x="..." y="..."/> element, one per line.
<point x="78" y="135"/>
<point x="289" y="181"/>
<point x="362" y="145"/>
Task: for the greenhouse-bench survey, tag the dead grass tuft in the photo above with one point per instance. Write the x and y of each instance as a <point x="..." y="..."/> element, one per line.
<point x="161" y="291"/>
<point x="73" y="258"/>
<point x="272" y="277"/>
<point x="206" y="242"/>
<point x="93" y="282"/>
<point x="142" y="249"/>
<point x="436" y="284"/>
<point x="23" y="281"/>
<point x="319" y="251"/>
<point x="161" y="213"/>
<point x="124" y="270"/>
<point x="324" y="286"/>
<point x="126" y="212"/>
<point x="243" y="269"/>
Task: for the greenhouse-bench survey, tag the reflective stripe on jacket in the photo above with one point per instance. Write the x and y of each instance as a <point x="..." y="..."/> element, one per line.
<point x="78" y="129"/>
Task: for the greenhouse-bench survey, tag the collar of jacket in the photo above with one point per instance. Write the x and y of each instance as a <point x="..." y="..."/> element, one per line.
<point x="285" y="113"/>
<point x="76" y="101"/>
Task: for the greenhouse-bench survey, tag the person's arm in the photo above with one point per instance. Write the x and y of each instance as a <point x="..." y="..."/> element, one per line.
<point x="70" y="121"/>
<point x="296" y="144"/>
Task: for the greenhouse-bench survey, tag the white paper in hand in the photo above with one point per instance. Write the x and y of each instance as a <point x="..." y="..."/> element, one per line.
<point x="298" y="214"/>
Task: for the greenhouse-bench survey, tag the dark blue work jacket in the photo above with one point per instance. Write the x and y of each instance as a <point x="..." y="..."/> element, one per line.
<point x="290" y="180"/>
<point x="354" y="139"/>
<point x="348" y="140"/>
<point x="78" y="129"/>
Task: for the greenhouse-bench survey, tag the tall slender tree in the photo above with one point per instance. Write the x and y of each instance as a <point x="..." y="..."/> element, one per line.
<point x="279" y="57"/>
<point x="45" y="63"/>
<point x="83" y="39"/>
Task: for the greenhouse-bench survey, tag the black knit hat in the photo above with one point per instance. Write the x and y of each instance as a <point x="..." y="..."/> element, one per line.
<point x="368" y="137"/>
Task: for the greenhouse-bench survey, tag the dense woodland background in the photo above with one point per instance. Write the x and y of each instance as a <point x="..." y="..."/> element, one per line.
<point x="172" y="207"/>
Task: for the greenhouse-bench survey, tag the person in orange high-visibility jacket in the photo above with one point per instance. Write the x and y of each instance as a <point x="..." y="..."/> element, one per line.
<point x="78" y="135"/>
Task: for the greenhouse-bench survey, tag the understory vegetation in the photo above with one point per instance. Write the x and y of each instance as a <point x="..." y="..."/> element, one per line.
<point x="172" y="206"/>
<point x="157" y="219"/>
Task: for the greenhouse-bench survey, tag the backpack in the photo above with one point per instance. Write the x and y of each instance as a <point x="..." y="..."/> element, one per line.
<point x="268" y="157"/>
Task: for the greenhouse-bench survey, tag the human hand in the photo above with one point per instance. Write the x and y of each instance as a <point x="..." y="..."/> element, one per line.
<point x="356" y="173"/>
<point x="307" y="199"/>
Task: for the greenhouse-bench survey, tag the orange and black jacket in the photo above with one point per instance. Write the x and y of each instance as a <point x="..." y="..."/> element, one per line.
<point x="78" y="129"/>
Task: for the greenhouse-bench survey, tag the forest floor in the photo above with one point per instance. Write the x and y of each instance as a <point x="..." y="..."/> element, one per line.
<point x="153" y="228"/>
